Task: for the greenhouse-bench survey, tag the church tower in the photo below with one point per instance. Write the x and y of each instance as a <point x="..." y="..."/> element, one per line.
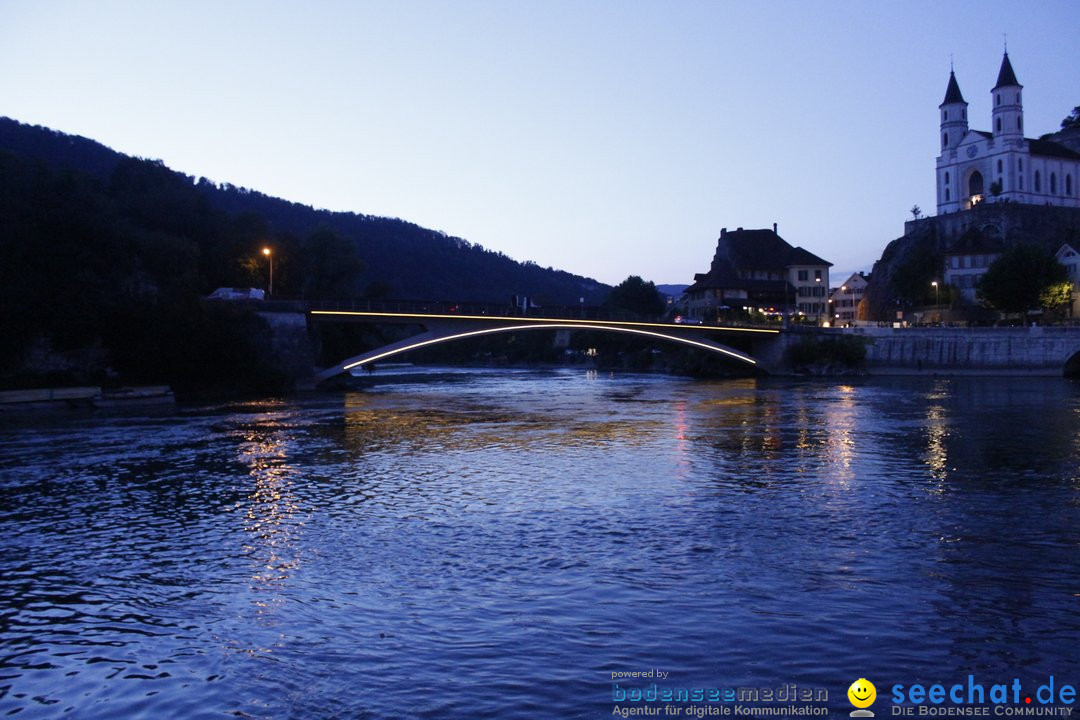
<point x="954" y="123"/>
<point x="954" y="126"/>
<point x="1008" y="115"/>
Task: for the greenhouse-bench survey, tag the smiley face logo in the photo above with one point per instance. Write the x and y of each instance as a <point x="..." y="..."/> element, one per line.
<point x="862" y="694"/>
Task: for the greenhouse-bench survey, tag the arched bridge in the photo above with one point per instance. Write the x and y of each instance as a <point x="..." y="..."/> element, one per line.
<point x="440" y="327"/>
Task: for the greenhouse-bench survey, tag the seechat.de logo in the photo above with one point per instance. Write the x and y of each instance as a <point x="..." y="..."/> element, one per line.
<point x="862" y="694"/>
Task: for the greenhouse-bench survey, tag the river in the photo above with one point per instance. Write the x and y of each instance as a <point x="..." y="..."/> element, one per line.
<point x="501" y="543"/>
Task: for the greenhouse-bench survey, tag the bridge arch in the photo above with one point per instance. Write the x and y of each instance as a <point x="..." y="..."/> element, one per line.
<point x="1072" y="365"/>
<point x="434" y="337"/>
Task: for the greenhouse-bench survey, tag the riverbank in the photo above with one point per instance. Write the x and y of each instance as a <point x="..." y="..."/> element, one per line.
<point x="91" y="396"/>
<point x="1030" y="351"/>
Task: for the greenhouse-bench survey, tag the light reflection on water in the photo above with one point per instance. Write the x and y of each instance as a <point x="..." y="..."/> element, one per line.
<point x="495" y="544"/>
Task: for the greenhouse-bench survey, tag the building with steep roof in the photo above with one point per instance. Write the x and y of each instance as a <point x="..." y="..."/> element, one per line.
<point x="846" y="298"/>
<point x="968" y="259"/>
<point x="758" y="271"/>
<point x="976" y="166"/>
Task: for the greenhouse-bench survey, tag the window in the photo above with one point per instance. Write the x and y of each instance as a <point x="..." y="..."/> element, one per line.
<point x="999" y="166"/>
<point x="998" y="126"/>
<point x="817" y="274"/>
<point x="1021" y="181"/>
<point x="1068" y="184"/>
<point x="997" y="98"/>
<point x="1053" y="183"/>
<point x="803" y="275"/>
<point x="944" y="140"/>
<point x="975" y="183"/>
<point x="944" y="115"/>
<point x="1020" y="124"/>
<point x="1038" y="182"/>
<point x="1020" y="164"/>
<point x="946" y="194"/>
<point x="963" y="113"/>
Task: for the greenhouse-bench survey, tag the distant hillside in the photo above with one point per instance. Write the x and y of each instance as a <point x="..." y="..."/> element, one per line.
<point x="672" y="290"/>
<point x="399" y="259"/>
<point x="105" y="261"/>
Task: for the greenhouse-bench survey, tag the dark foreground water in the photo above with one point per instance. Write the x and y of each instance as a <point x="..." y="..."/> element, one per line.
<point x="498" y="544"/>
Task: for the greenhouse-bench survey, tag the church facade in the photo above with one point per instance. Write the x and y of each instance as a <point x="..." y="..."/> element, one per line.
<point x="1001" y="165"/>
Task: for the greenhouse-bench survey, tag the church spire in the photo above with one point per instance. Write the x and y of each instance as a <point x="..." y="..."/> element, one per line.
<point x="1008" y="114"/>
<point x="1006" y="76"/>
<point x="952" y="92"/>
<point x="953" y="115"/>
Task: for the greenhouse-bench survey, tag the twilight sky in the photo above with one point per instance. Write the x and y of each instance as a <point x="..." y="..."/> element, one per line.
<point x="603" y="137"/>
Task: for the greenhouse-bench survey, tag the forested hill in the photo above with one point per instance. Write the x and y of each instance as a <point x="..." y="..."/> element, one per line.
<point x="317" y="252"/>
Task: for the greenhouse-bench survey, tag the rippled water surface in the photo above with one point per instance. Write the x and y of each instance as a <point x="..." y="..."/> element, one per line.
<point x="494" y="544"/>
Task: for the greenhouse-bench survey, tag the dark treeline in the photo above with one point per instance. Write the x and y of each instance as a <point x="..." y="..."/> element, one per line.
<point x="105" y="261"/>
<point x="401" y="260"/>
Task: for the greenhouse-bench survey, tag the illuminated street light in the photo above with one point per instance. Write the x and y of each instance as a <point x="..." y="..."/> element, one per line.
<point x="270" y="288"/>
<point x="937" y="299"/>
<point x="818" y="305"/>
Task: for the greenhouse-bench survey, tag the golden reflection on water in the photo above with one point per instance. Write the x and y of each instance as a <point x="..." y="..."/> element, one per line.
<point x="271" y="509"/>
<point x="840" y="416"/>
<point x="682" y="443"/>
<point x="740" y="420"/>
<point x="937" y="433"/>
<point x="374" y="423"/>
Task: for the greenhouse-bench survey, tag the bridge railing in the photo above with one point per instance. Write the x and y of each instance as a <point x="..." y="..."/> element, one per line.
<point x="580" y="312"/>
<point x="420" y="307"/>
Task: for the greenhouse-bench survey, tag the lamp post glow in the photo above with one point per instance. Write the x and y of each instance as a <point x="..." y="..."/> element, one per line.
<point x="270" y="288"/>
<point x="937" y="299"/>
<point x="818" y="305"/>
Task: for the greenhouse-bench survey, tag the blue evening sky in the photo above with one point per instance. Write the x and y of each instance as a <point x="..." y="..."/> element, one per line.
<point x="607" y="138"/>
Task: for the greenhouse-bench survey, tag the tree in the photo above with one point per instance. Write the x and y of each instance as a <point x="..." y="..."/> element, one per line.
<point x="1056" y="296"/>
<point x="1016" y="281"/>
<point x="916" y="212"/>
<point x="1072" y="120"/>
<point x="637" y="296"/>
<point x="332" y="265"/>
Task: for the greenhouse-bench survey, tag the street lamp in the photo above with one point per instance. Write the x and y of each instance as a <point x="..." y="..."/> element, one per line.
<point x="820" y="295"/>
<point x="937" y="299"/>
<point x="270" y="288"/>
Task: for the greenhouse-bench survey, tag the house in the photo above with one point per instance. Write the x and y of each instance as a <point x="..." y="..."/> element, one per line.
<point x="967" y="261"/>
<point x="757" y="271"/>
<point x="845" y="300"/>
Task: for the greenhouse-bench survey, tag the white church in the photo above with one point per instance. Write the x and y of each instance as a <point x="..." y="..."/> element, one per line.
<point x="1002" y="165"/>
